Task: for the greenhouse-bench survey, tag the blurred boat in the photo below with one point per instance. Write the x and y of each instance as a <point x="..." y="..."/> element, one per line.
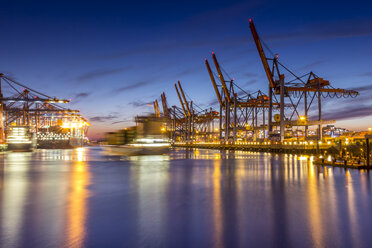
<point x="140" y="147"/>
<point x="148" y="137"/>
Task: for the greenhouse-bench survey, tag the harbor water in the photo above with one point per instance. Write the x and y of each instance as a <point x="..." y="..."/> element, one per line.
<point x="188" y="198"/>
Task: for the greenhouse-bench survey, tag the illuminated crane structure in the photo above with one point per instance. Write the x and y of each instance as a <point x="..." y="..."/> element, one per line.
<point x="28" y="107"/>
<point x="156" y="108"/>
<point x="174" y="118"/>
<point x="198" y="123"/>
<point x="298" y="90"/>
<point x="242" y="113"/>
<point x="188" y="123"/>
<point x="245" y="116"/>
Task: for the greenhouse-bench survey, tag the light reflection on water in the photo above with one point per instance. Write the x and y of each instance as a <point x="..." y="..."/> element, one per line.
<point x="77" y="201"/>
<point x="208" y="198"/>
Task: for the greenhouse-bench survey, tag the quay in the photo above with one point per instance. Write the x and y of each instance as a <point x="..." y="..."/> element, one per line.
<point x="288" y="147"/>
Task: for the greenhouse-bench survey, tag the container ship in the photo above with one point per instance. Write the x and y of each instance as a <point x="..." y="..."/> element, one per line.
<point x="64" y="136"/>
<point x="30" y="118"/>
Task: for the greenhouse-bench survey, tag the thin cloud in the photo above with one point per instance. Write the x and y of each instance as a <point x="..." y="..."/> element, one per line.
<point x="82" y="95"/>
<point x="331" y="30"/>
<point x="367" y="74"/>
<point x="131" y="86"/>
<point x="213" y="102"/>
<point x="79" y="97"/>
<point x="350" y="112"/>
<point x="250" y="82"/>
<point x="100" y="73"/>
<point x="363" y="88"/>
<point x="184" y="73"/>
<point x="103" y="118"/>
<point x="250" y="74"/>
<point x="140" y="103"/>
<point x="117" y="122"/>
<point x="311" y="65"/>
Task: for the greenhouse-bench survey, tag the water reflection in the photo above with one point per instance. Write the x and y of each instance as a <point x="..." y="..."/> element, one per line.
<point x="217" y="205"/>
<point x="151" y="184"/>
<point x="13" y="196"/>
<point x="189" y="198"/>
<point x="78" y="193"/>
<point x="314" y="207"/>
<point x="353" y="216"/>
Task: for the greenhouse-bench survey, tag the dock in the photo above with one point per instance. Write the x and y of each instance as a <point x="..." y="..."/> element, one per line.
<point x="310" y="149"/>
<point x="304" y="149"/>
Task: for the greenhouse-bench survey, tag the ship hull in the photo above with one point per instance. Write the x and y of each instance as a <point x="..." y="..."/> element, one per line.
<point x="60" y="144"/>
<point x="133" y="150"/>
<point x="20" y="147"/>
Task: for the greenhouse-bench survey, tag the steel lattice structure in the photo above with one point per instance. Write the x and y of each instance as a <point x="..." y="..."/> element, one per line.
<point x="300" y="90"/>
<point x="28" y="107"/>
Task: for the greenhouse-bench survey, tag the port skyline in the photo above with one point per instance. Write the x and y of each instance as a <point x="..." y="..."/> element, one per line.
<point x="75" y="59"/>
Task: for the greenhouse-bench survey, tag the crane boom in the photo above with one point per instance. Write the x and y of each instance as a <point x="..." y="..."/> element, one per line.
<point x="157" y="107"/>
<point x="213" y="82"/>
<point x="222" y="79"/>
<point x="165" y="106"/>
<point x="156" y="111"/>
<point x="184" y="99"/>
<point x="261" y="53"/>
<point x="179" y="97"/>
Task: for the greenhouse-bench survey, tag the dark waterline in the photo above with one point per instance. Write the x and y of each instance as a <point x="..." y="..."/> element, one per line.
<point x="200" y="198"/>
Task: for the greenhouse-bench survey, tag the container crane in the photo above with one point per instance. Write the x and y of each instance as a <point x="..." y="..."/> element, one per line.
<point x="301" y="87"/>
<point x="28" y="107"/>
<point x="243" y="110"/>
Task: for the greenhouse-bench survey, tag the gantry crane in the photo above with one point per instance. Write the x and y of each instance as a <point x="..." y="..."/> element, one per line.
<point x="26" y="106"/>
<point x="301" y="89"/>
<point x="239" y="110"/>
<point x="188" y="122"/>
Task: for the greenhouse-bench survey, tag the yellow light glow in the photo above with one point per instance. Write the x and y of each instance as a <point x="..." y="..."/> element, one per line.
<point x="74" y="124"/>
<point x="302" y="158"/>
